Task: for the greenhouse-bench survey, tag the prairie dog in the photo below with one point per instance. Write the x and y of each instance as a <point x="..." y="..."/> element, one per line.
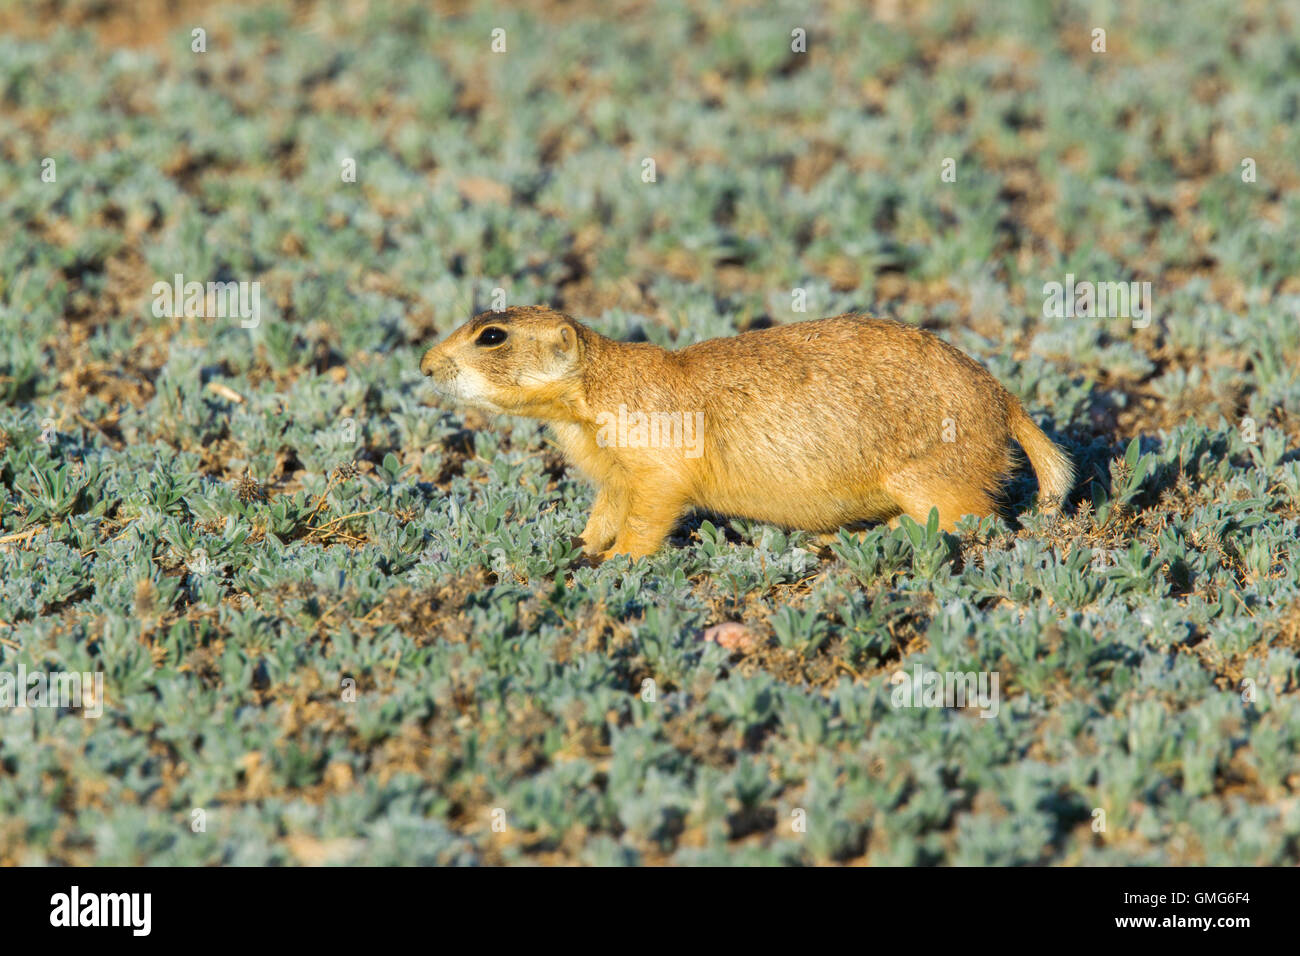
<point x="812" y="425"/>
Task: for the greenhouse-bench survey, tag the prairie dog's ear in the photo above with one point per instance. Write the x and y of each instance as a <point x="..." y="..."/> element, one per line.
<point x="566" y="342"/>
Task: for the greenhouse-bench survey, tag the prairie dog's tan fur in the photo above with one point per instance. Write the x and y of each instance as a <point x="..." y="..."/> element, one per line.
<point x="813" y="425"/>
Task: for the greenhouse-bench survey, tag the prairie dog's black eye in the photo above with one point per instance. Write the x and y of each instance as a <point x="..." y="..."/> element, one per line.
<point x="491" y="336"/>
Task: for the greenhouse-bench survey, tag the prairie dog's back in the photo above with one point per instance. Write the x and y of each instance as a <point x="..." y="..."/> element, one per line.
<point x="848" y="352"/>
<point x="844" y="383"/>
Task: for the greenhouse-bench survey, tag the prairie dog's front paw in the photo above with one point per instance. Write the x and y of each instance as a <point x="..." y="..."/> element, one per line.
<point x="593" y="541"/>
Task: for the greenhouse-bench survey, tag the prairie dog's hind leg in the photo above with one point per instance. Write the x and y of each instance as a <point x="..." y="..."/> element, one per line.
<point x="917" y="493"/>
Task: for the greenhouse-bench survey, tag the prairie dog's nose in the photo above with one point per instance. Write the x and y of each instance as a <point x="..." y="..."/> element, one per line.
<point x="427" y="363"/>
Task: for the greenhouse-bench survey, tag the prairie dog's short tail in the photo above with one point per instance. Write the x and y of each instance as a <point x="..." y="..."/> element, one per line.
<point x="1053" y="467"/>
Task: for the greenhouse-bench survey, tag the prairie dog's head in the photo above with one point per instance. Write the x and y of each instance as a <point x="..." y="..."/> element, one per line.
<point x="520" y="360"/>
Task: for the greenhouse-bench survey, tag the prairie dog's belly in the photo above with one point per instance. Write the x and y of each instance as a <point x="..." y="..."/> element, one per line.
<point x="800" y="508"/>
